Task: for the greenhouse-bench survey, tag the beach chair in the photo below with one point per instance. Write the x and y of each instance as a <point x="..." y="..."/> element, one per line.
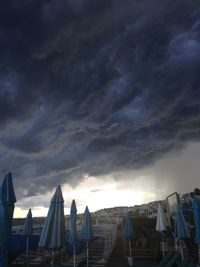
<point x="165" y="259"/>
<point x="172" y="260"/>
<point x="186" y="263"/>
<point x="169" y="260"/>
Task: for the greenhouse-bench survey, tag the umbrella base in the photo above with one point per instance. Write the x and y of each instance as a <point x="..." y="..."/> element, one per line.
<point x="130" y="261"/>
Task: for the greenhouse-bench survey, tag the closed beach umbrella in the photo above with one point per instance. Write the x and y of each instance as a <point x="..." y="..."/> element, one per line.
<point x="7" y="200"/>
<point x="161" y="224"/>
<point x="86" y="229"/>
<point x="53" y="232"/>
<point x="128" y="230"/>
<point x="72" y="228"/>
<point x="28" y="228"/>
<point x="181" y="228"/>
<point x="196" y="215"/>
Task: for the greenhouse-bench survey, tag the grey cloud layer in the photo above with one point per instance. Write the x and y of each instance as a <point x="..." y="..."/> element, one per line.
<point x="91" y="87"/>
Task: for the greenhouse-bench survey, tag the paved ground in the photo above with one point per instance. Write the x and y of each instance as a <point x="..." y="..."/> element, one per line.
<point x="123" y="265"/>
<point x="59" y="265"/>
<point x="138" y="264"/>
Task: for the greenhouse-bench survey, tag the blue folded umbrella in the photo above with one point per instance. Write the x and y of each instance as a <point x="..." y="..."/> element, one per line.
<point x="86" y="229"/>
<point x="53" y="232"/>
<point x="72" y="228"/>
<point x="28" y="225"/>
<point x="196" y="215"/>
<point x="28" y="228"/>
<point x="72" y="223"/>
<point x="128" y="228"/>
<point x="7" y="200"/>
<point x="181" y="228"/>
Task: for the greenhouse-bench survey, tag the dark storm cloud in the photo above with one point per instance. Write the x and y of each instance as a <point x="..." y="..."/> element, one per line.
<point x="91" y="87"/>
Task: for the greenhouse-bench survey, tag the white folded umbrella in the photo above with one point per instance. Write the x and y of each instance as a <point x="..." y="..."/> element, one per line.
<point x="161" y="224"/>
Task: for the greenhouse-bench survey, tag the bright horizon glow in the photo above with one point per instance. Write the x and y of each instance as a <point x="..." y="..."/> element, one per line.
<point x="94" y="192"/>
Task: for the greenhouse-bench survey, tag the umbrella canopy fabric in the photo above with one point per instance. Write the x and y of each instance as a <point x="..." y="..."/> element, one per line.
<point x="7" y="201"/>
<point x="7" y="192"/>
<point x="53" y="232"/>
<point x="181" y="228"/>
<point x="28" y="225"/>
<point x="128" y="231"/>
<point x="161" y="222"/>
<point x="196" y="215"/>
<point x="128" y="227"/>
<point x="72" y="223"/>
<point x="86" y="229"/>
<point x="72" y="228"/>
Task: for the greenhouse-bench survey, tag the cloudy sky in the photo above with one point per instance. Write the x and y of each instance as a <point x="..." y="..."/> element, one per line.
<point x="102" y="97"/>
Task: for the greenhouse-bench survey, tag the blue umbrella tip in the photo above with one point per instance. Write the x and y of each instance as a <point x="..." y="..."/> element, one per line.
<point x="73" y="206"/>
<point x="59" y="188"/>
<point x="8" y="194"/>
<point x="30" y="212"/>
<point x="86" y="208"/>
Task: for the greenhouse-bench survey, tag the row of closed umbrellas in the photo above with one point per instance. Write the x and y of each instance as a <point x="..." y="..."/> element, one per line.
<point x="53" y="234"/>
<point x="181" y="230"/>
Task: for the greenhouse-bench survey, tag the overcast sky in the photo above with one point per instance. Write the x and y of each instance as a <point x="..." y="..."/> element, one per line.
<point x="102" y="97"/>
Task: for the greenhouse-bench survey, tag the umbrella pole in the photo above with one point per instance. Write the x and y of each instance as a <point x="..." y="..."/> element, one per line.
<point x="87" y="255"/>
<point x="74" y="256"/>
<point x="52" y="262"/>
<point x="181" y="245"/>
<point x="163" y="249"/>
<point x="27" y="245"/>
<point x="129" y="241"/>
<point x="61" y="255"/>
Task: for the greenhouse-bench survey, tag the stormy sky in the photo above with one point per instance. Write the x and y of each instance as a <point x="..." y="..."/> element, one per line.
<point x="99" y="95"/>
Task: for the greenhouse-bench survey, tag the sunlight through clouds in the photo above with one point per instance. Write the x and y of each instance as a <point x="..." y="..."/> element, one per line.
<point x="92" y="191"/>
